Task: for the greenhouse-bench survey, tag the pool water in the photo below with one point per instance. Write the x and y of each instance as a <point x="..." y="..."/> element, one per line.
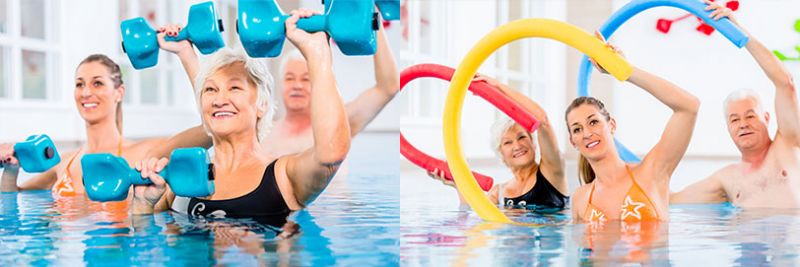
<point x="436" y="232"/>
<point x="355" y="222"/>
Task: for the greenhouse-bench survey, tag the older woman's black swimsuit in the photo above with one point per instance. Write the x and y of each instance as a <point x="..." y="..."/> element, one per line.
<point x="543" y="195"/>
<point x="265" y="201"/>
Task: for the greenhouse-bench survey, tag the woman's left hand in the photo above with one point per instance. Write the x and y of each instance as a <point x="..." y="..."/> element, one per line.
<point x="608" y="45"/>
<point x="719" y="11"/>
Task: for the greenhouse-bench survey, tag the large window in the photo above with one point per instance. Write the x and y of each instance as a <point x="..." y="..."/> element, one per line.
<point x="3" y="15"/>
<point x="425" y="42"/>
<point x="519" y="64"/>
<point x="30" y="50"/>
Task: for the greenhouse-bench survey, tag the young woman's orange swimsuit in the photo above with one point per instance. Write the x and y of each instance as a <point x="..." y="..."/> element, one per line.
<point x="64" y="194"/>
<point x="64" y="185"/>
<point x="635" y="208"/>
<point x="638" y="218"/>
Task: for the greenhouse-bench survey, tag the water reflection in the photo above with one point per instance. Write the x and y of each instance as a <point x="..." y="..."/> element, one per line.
<point x="355" y="222"/>
<point x="72" y="231"/>
<point x="712" y="235"/>
<point x="616" y="242"/>
<point x="26" y="229"/>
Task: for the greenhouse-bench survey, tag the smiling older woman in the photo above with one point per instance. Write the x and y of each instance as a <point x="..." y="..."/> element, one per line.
<point x="537" y="184"/>
<point x="234" y="94"/>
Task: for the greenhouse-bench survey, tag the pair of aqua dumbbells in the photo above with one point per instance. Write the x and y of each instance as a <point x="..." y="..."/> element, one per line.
<point x="260" y="25"/>
<point x="108" y="177"/>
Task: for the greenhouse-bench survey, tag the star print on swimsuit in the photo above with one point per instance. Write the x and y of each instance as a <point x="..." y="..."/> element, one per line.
<point x="63" y="187"/>
<point x="631" y="208"/>
<point x="597" y="216"/>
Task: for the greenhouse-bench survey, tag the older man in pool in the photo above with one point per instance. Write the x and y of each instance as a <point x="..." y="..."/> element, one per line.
<point x="293" y="131"/>
<point x="768" y="174"/>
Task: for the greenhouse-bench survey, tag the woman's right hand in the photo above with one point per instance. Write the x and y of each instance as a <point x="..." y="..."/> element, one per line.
<point x="7" y="158"/>
<point x="438" y="175"/>
<point x="311" y="45"/>
<point x="488" y="80"/>
<point x="178" y="47"/>
<point x="145" y="197"/>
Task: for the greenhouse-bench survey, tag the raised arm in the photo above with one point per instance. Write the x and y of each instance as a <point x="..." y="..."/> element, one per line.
<point x="669" y="150"/>
<point x="366" y="106"/>
<point x="786" y="107"/>
<point x="310" y="171"/>
<point x="183" y="49"/>
<point x="708" y="190"/>
<point x="552" y="163"/>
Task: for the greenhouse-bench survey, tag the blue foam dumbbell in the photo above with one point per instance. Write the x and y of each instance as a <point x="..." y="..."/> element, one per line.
<point x="351" y="23"/>
<point x="390" y="9"/>
<point x="108" y="177"/>
<point x="204" y="30"/>
<point x="37" y="153"/>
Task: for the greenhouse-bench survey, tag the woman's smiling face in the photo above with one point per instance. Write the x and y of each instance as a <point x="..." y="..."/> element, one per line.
<point x="229" y="101"/>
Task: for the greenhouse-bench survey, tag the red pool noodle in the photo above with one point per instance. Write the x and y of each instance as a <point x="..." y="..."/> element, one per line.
<point x="482" y="89"/>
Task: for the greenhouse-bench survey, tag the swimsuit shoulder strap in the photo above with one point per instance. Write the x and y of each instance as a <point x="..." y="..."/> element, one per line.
<point x="589" y="203"/>
<point x="69" y="164"/>
<point x="119" y="146"/>
<point x="636" y="186"/>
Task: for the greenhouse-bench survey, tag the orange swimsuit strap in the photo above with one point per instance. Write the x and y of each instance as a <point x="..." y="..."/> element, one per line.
<point x="636" y="206"/>
<point x="119" y="154"/>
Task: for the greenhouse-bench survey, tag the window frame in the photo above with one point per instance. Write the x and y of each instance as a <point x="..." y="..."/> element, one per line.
<point x="532" y="76"/>
<point x="13" y="43"/>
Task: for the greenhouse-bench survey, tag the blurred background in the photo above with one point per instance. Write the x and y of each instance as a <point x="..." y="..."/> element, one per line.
<point x="708" y="66"/>
<point x="42" y="42"/>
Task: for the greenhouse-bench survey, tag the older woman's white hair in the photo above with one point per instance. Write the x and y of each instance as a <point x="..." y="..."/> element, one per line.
<point x="499" y="128"/>
<point x="257" y="72"/>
